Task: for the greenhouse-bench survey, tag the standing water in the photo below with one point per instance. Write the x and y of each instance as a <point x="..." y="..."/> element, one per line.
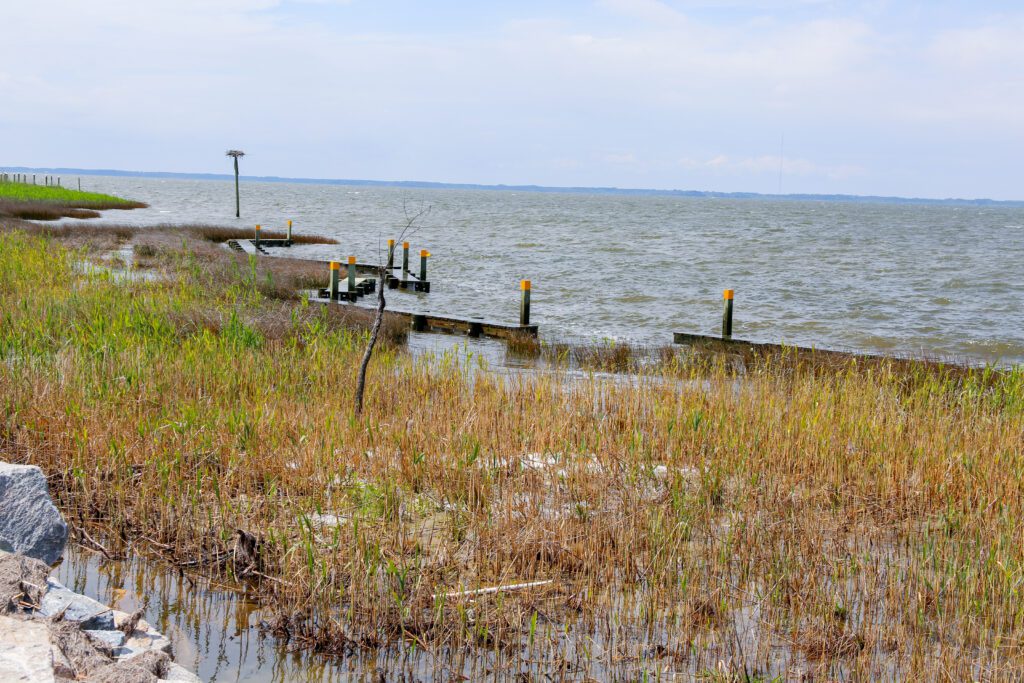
<point x="215" y="632"/>
<point x="894" y="278"/>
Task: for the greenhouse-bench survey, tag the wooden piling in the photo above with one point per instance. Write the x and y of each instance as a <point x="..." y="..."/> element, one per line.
<point x="351" y="275"/>
<point x="524" y="304"/>
<point x="405" y="261"/>
<point x="335" y="275"/>
<point x="727" y="315"/>
<point x="289" y="231"/>
<point x="419" y="322"/>
<point x="257" y="240"/>
<point x="424" y="254"/>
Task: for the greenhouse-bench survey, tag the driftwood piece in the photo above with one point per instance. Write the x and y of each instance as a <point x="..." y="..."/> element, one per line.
<point x="494" y="589"/>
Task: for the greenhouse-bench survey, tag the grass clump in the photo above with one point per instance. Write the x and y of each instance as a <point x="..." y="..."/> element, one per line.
<point x="216" y="233"/>
<point x="846" y="521"/>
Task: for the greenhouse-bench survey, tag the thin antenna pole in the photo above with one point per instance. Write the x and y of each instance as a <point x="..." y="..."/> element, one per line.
<point x="782" y="156"/>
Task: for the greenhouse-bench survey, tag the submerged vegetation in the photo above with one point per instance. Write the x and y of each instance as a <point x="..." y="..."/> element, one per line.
<point x="857" y="519"/>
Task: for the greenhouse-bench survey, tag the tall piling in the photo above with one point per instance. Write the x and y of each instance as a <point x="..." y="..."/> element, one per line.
<point x="335" y="275"/>
<point x="424" y="254"/>
<point x="727" y="295"/>
<point x="524" y="304"/>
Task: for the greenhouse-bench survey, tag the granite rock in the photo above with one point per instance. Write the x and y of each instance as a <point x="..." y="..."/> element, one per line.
<point x="25" y="655"/>
<point x="78" y="608"/>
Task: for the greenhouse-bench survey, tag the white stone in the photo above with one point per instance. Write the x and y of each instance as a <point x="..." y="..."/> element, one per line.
<point x="140" y="642"/>
<point x="25" y="655"/>
<point x="29" y="522"/>
<point x="179" y="674"/>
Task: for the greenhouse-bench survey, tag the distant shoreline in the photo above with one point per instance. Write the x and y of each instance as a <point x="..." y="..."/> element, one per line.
<point x="430" y="185"/>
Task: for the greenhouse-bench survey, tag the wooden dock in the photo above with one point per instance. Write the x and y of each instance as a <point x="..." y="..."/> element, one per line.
<point x="429" y="322"/>
<point x="404" y="278"/>
<point x="364" y="286"/>
<point x="249" y="246"/>
<point x="729" y="345"/>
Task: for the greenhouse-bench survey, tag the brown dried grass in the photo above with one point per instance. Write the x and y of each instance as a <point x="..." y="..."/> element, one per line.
<point x="840" y="520"/>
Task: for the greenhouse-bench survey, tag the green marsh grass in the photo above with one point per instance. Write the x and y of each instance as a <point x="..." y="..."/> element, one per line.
<point x="23" y="192"/>
<point x="846" y="520"/>
<point x="49" y="202"/>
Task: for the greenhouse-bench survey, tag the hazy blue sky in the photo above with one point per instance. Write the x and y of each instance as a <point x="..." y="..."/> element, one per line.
<point x="873" y="97"/>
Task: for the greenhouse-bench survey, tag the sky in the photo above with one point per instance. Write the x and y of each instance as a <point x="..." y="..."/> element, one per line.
<point x="906" y="98"/>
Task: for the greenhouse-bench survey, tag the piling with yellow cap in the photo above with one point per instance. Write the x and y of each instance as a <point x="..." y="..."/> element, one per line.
<point x="289" y="232"/>
<point x="391" y="256"/>
<point x="351" y="275"/>
<point x="405" y="262"/>
<point x="524" y="304"/>
<point x="335" y="275"/>
<point x="727" y="315"/>
<point x="423" y="264"/>
<point x="257" y="240"/>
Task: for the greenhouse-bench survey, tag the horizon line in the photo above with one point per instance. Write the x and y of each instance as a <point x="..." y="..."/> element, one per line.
<point x="568" y="189"/>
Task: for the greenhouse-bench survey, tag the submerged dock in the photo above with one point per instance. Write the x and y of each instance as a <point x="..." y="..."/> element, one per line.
<point x="429" y="322"/>
<point x="730" y="345"/>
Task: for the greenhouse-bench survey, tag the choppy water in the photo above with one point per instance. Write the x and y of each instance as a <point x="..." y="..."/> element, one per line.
<point x="942" y="281"/>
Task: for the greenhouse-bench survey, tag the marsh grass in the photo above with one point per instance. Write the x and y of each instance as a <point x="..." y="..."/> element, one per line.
<point x="218" y="234"/>
<point x="48" y="202"/>
<point x="793" y="519"/>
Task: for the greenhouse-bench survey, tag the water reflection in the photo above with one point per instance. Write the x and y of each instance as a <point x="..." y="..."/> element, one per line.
<point x="215" y="631"/>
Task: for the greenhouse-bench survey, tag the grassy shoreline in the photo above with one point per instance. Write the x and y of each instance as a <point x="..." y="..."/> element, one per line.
<point x="49" y="202"/>
<point x="852" y="520"/>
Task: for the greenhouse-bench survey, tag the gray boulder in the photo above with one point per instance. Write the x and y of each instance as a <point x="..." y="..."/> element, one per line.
<point x="29" y="522"/>
<point x="80" y="609"/>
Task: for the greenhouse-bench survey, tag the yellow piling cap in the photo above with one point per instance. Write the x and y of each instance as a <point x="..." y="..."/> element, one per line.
<point x="524" y="285"/>
<point x="424" y="252"/>
<point x="257" y="227"/>
<point x="289" y="222"/>
<point x="405" y="245"/>
<point x="351" y="260"/>
<point x="391" y="243"/>
<point x="727" y="294"/>
<point x="335" y="265"/>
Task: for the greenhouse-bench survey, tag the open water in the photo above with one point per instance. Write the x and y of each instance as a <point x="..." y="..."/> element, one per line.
<point x="908" y="279"/>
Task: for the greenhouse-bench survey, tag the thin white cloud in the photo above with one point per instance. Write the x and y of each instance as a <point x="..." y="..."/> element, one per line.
<point x="647" y="10"/>
<point x="998" y="47"/>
